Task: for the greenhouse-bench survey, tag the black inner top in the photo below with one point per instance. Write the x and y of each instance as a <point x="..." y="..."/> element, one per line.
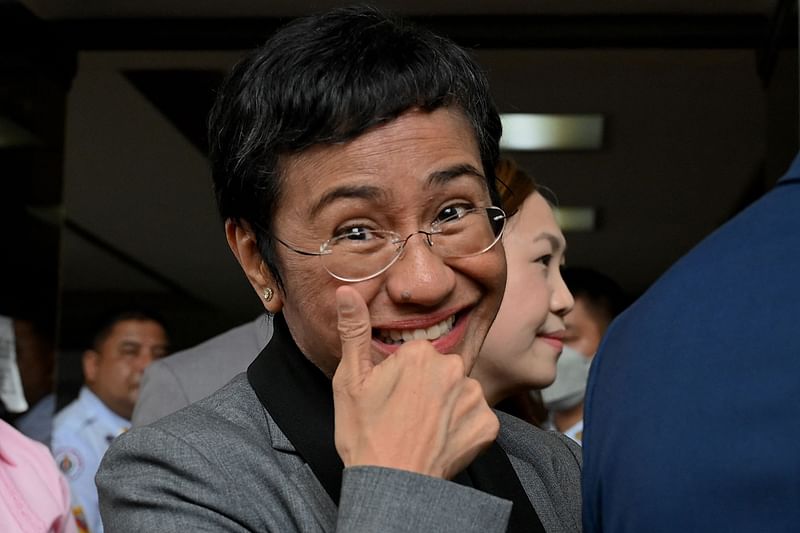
<point x="299" y="398"/>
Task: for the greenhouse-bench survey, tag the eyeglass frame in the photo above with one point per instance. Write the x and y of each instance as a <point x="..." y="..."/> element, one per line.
<point x="402" y="244"/>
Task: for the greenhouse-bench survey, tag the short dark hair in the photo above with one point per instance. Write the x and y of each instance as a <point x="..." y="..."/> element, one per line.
<point x="603" y="295"/>
<point x="111" y="318"/>
<point x="325" y="79"/>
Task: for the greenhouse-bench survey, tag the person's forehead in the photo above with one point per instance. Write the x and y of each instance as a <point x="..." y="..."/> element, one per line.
<point x="135" y="329"/>
<point x="536" y="218"/>
<point x="385" y="159"/>
<point x="379" y="144"/>
<point x="536" y="207"/>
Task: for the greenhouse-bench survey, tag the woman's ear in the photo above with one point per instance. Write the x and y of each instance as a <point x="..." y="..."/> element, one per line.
<point x="244" y="246"/>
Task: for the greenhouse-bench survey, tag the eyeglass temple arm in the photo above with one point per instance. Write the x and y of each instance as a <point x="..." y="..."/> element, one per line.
<point x="295" y="250"/>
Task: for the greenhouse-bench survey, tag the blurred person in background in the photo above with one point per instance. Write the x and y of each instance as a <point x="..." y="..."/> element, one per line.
<point x="36" y="361"/>
<point x="124" y="344"/>
<point x="34" y="497"/>
<point x="598" y="300"/>
<point x="27" y="361"/>
<point x="182" y="378"/>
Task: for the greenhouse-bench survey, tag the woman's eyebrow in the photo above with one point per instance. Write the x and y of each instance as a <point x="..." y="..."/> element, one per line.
<point x="440" y="177"/>
<point x="364" y="192"/>
<point x="371" y="192"/>
<point x="555" y="242"/>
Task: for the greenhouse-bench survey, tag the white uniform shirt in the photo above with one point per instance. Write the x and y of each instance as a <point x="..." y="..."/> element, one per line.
<point x="576" y="432"/>
<point x="82" y="432"/>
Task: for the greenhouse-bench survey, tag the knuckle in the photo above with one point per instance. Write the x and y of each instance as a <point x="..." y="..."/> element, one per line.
<point x="473" y="388"/>
<point x="416" y="352"/>
<point x="455" y="365"/>
<point x="407" y="355"/>
<point x="352" y="329"/>
<point x="337" y="382"/>
<point x="342" y="382"/>
<point x="417" y="349"/>
<point x="489" y="424"/>
<point x="472" y="384"/>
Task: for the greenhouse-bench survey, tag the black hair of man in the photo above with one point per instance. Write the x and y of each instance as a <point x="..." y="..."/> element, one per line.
<point x="602" y="295"/>
<point x="107" y="322"/>
<point x="327" y="79"/>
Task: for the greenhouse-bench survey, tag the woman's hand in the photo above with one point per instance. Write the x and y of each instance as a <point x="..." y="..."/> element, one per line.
<point x="414" y="411"/>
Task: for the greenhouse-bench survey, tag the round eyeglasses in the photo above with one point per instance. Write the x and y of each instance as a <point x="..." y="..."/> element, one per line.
<point x="363" y="253"/>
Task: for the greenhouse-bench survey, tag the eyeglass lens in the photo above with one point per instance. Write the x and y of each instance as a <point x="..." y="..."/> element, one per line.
<point x="363" y="254"/>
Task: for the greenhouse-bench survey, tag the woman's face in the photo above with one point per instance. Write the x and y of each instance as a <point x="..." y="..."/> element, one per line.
<point x="399" y="177"/>
<point x="524" y="343"/>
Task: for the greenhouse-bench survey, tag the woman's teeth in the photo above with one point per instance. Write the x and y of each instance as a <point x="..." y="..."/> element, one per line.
<point x="399" y="336"/>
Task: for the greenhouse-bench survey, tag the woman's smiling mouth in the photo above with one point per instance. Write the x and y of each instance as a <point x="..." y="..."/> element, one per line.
<point x="399" y="336"/>
<point x="553" y="338"/>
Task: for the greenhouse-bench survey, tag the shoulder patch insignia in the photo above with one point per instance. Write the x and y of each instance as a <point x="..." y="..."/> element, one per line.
<point x="69" y="462"/>
<point x="80" y="519"/>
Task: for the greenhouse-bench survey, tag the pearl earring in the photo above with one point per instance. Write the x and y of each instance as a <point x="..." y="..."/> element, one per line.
<point x="268" y="294"/>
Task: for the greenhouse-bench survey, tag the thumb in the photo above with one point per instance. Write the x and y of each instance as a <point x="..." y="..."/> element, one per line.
<point x="355" y="332"/>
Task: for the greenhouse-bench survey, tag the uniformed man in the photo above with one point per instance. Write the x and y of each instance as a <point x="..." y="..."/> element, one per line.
<point x="123" y="346"/>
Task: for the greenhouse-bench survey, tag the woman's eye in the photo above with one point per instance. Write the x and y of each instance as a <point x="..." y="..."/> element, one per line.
<point x="452" y="212"/>
<point x="544" y="260"/>
<point x="354" y="233"/>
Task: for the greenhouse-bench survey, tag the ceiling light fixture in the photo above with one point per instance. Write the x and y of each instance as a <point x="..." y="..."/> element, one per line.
<point x="576" y="218"/>
<point x="528" y="131"/>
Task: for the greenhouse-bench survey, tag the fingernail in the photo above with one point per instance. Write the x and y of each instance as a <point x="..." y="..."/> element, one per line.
<point x="344" y="301"/>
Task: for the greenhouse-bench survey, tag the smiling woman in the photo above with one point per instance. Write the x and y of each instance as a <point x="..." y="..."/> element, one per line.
<point x="402" y="163"/>
<point x="523" y="346"/>
<point x="353" y="159"/>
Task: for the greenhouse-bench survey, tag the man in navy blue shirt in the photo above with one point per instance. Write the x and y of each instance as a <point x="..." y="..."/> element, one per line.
<point x="693" y="403"/>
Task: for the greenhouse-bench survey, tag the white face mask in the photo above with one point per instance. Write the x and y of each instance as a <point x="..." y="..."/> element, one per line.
<point x="572" y="372"/>
<point x="11" y="392"/>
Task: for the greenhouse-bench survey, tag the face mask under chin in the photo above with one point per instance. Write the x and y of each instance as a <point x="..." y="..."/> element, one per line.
<point x="569" y="388"/>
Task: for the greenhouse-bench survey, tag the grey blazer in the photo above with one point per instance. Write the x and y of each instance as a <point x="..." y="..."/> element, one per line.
<point x="174" y="382"/>
<point x="222" y="464"/>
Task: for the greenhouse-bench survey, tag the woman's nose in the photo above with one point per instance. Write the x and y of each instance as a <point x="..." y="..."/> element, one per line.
<point x="561" y="301"/>
<point x="420" y="276"/>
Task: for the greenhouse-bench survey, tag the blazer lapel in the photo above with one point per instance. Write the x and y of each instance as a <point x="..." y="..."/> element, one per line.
<point x="308" y="488"/>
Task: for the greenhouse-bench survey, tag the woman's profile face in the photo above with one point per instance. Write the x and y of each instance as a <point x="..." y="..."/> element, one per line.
<point x="400" y="176"/>
<point x="524" y="343"/>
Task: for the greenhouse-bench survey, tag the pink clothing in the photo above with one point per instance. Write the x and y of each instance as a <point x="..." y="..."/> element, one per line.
<point x="34" y="497"/>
